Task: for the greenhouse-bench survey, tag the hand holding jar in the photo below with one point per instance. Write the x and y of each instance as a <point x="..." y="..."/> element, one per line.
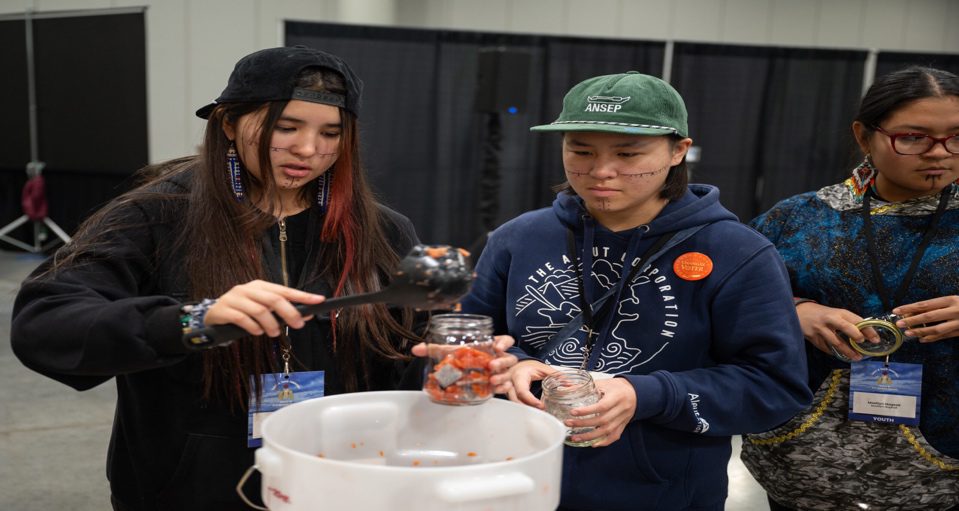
<point x="881" y="336"/>
<point x="568" y="389"/>
<point x="467" y="364"/>
<point x="830" y="328"/>
<point x="596" y="411"/>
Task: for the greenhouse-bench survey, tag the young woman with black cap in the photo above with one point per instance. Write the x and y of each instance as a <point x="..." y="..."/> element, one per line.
<point x="274" y="211"/>
<point x="683" y="315"/>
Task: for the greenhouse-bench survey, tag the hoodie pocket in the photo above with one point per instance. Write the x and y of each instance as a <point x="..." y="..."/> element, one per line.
<point x="616" y="476"/>
<point x="206" y="475"/>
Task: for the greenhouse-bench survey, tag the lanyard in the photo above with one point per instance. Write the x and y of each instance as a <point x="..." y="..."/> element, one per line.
<point x="585" y="306"/>
<point x="874" y="255"/>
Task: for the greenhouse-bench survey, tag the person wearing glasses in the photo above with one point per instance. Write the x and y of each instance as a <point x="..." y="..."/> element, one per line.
<point x="886" y="240"/>
<point x="682" y="314"/>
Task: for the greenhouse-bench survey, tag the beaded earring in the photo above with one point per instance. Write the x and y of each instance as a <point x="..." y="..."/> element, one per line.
<point x="863" y="176"/>
<point x="233" y="167"/>
<point x="323" y="185"/>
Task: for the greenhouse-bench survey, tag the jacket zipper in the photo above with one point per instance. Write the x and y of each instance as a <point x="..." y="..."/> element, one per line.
<point x="286" y="275"/>
<point x="285" y="344"/>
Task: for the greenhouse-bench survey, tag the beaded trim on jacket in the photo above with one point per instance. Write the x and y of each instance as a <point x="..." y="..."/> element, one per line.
<point x="843" y="197"/>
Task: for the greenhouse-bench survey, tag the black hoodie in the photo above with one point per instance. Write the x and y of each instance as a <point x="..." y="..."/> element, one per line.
<point x="115" y="314"/>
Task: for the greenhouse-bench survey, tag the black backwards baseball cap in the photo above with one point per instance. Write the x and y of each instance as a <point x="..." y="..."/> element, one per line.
<point x="630" y="103"/>
<point x="270" y="75"/>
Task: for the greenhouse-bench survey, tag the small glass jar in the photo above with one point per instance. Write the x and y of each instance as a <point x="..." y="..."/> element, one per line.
<point x="566" y="389"/>
<point x="887" y="337"/>
<point x="460" y="348"/>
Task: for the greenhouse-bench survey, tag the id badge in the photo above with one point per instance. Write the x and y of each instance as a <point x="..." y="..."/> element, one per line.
<point x="885" y="393"/>
<point x="280" y="390"/>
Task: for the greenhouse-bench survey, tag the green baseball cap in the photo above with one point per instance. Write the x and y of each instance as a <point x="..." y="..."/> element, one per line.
<point x="630" y="103"/>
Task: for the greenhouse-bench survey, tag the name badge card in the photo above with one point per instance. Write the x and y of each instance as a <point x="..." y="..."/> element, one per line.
<point x="886" y="393"/>
<point x="280" y="390"/>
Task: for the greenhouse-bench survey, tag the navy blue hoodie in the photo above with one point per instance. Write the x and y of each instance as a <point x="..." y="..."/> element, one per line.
<point x="708" y="358"/>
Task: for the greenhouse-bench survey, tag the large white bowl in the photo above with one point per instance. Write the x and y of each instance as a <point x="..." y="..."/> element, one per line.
<point x="400" y="451"/>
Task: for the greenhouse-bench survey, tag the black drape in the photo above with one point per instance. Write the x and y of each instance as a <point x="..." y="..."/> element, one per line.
<point x="771" y="122"/>
<point x="423" y="139"/>
<point x="91" y="112"/>
<point x="14" y="122"/>
<point x="888" y="62"/>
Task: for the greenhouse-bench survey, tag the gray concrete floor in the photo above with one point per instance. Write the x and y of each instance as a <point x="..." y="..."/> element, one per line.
<point x="53" y="439"/>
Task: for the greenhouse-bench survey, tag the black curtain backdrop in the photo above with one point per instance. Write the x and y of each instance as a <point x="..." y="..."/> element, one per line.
<point x="888" y="62"/>
<point x="91" y="113"/>
<point x="771" y="122"/>
<point x="423" y="140"/>
<point x="15" y="149"/>
<point x="14" y="123"/>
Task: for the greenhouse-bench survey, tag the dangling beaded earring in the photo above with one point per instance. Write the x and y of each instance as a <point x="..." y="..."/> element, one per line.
<point x="323" y="185"/>
<point x="863" y="176"/>
<point x="233" y="166"/>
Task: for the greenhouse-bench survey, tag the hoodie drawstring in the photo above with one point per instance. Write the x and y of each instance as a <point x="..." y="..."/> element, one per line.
<point x="585" y="283"/>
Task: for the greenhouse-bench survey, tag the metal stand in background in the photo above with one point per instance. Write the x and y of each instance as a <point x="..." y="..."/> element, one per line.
<point x="489" y="183"/>
<point x="34" y="169"/>
<point x="40" y="223"/>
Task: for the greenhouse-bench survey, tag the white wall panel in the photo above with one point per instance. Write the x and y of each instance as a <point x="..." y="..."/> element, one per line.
<point x="437" y="13"/>
<point x="171" y="122"/>
<point x="597" y="18"/>
<point x="926" y="24"/>
<point x="950" y="40"/>
<point x="696" y="20"/>
<point x="532" y="17"/>
<point x="14" y="6"/>
<point x="487" y="15"/>
<point x="840" y="23"/>
<point x="419" y="13"/>
<point x="69" y="5"/>
<point x="371" y="12"/>
<point x="271" y="15"/>
<point x="123" y="4"/>
<point x="745" y="21"/>
<point x="647" y="19"/>
<point x="219" y="42"/>
<point x="793" y="22"/>
<point x="884" y="24"/>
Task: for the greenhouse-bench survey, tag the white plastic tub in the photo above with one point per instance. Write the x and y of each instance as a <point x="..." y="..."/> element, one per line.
<point x="400" y="451"/>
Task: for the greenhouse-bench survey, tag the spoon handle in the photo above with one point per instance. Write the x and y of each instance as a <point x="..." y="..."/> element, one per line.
<point x="219" y="334"/>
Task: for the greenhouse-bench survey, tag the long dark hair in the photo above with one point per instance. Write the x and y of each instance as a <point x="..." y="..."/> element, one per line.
<point x="220" y="241"/>
<point x="353" y="220"/>
<point x="676" y="180"/>
<point x="892" y="91"/>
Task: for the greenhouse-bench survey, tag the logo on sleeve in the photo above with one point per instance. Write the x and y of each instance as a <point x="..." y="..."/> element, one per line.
<point x="605" y="103"/>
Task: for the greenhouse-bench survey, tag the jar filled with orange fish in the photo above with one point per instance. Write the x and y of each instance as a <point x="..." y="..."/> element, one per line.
<point x="460" y="349"/>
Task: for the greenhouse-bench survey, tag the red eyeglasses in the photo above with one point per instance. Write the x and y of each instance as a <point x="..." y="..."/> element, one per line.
<point x="910" y="144"/>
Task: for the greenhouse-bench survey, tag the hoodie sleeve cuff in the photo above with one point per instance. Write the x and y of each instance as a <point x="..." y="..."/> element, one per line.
<point x="163" y="331"/>
<point x="650" y="396"/>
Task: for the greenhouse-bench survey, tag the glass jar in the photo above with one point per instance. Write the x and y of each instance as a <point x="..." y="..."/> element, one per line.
<point x="886" y="337"/>
<point x="566" y="389"/>
<point x="460" y="348"/>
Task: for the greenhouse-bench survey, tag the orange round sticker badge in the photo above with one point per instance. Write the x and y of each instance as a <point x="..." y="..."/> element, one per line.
<point x="693" y="266"/>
